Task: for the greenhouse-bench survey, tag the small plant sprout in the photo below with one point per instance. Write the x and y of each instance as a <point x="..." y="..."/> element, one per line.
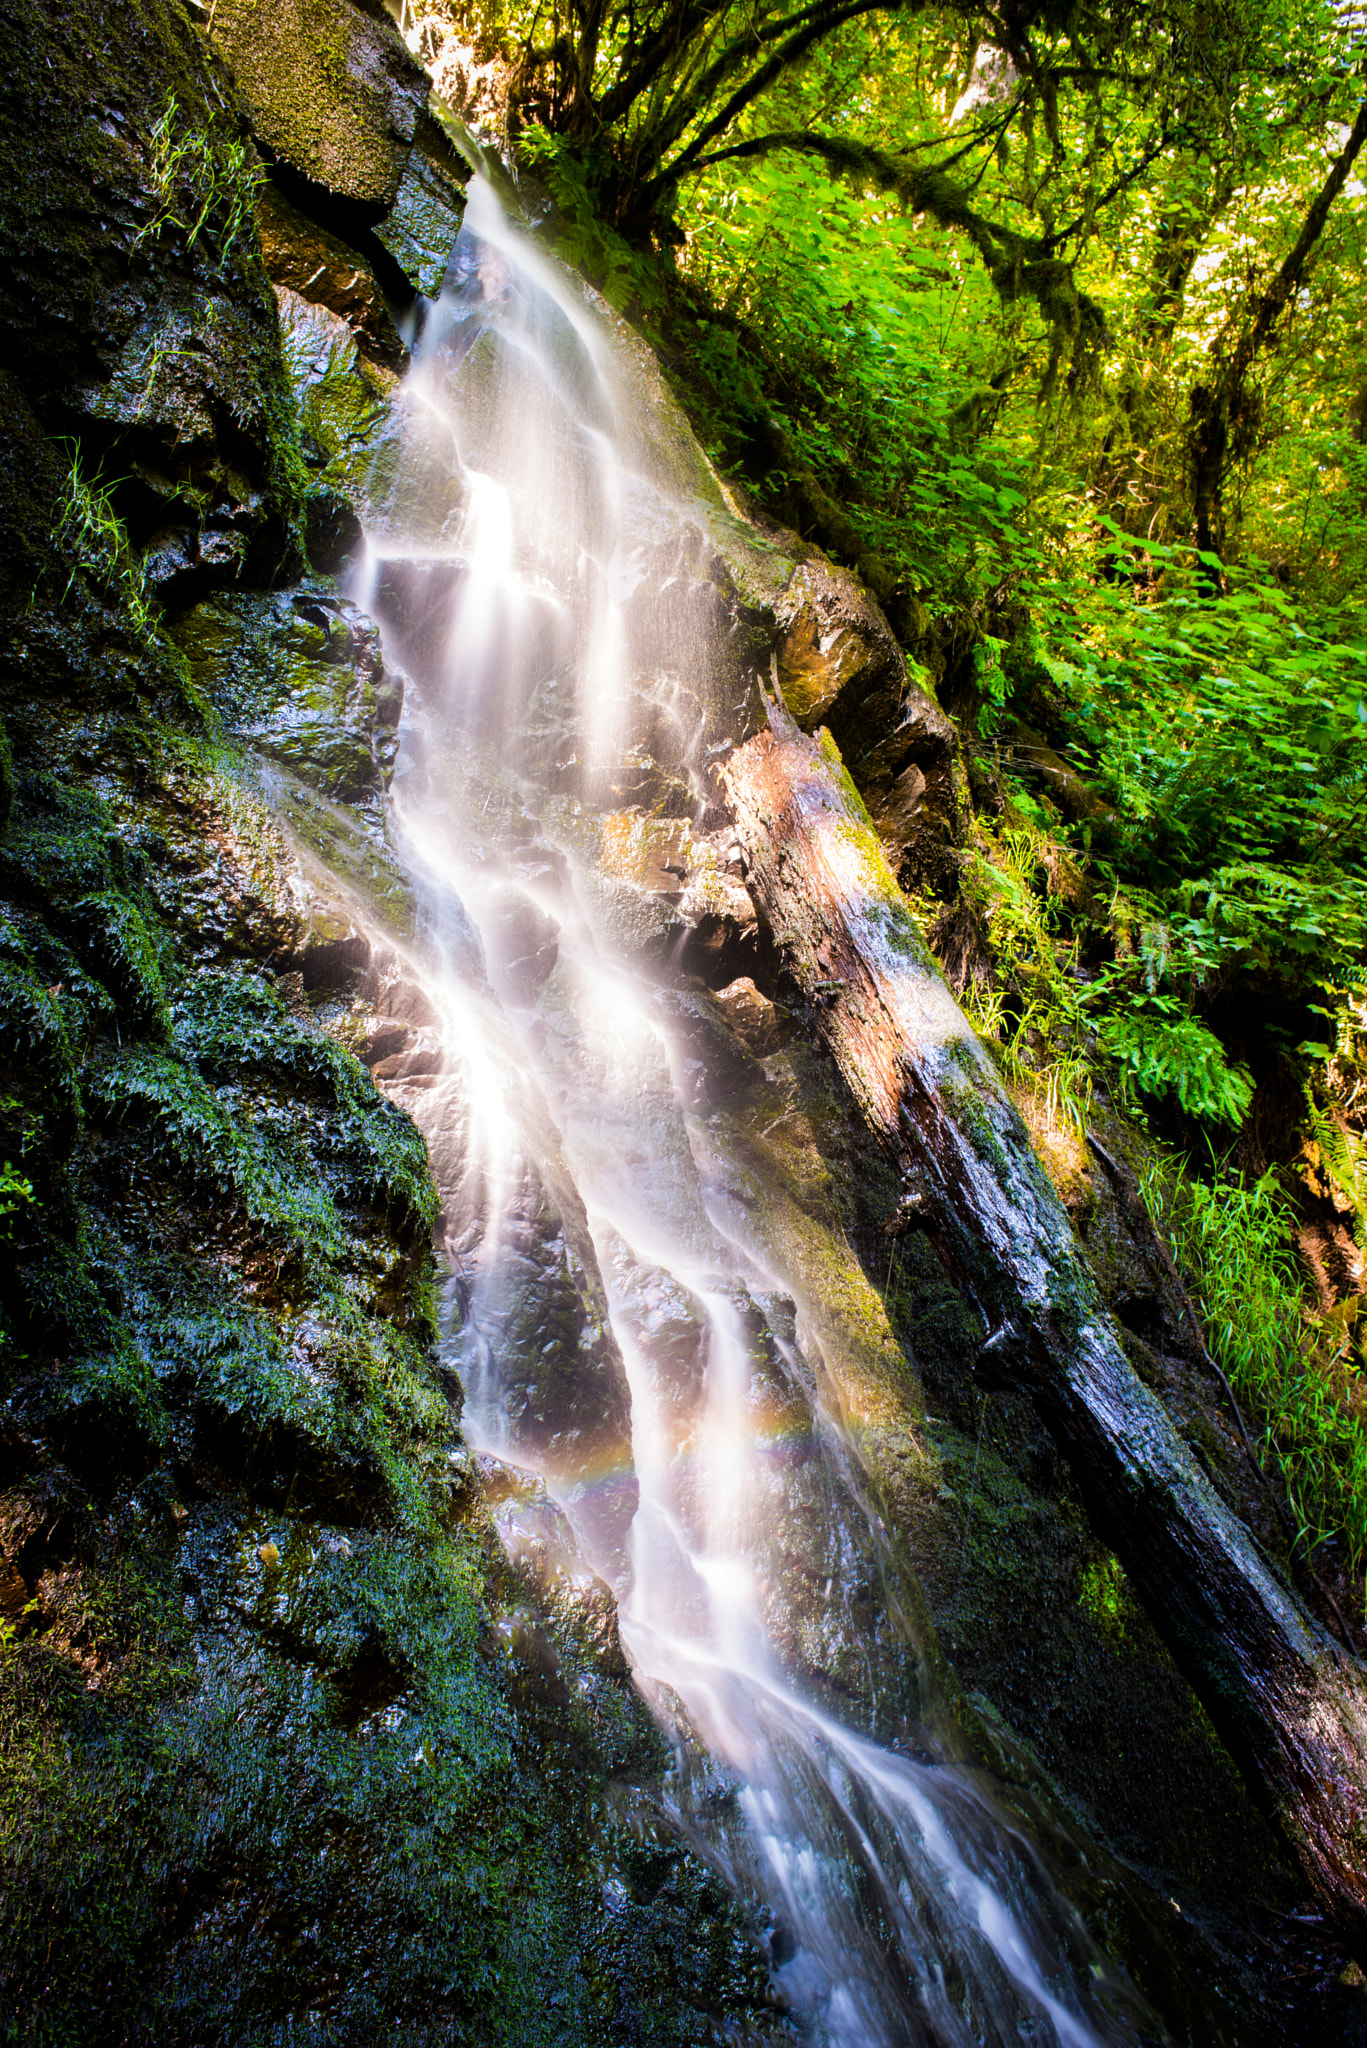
<point x="205" y="185"/>
<point x="92" y="537"/>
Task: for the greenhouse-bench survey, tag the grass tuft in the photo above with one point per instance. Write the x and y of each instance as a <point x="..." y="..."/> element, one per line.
<point x="92" y="535"/>
<point x="205" y="185"/>
<point x="1299" y="1371"/>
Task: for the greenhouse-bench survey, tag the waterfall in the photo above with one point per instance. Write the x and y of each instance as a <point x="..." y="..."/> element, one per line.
<point x="541" y="571"/>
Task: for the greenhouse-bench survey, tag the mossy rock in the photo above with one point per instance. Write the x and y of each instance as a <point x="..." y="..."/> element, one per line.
<point x="331" y="87"/>
<point x="304" y="258"/>
<point x="346" y="403"/>
<point x="300" y="676"/>
<point x="132" y="330"/>
<point x="421" y="226"/>
<point x="309" y="1776"/>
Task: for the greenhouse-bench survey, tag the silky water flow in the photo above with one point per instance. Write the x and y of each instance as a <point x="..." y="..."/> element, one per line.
<point x="542" y="572"/>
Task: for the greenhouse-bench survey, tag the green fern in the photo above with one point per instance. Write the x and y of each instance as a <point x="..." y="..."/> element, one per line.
<point x="1163" y="1051"/>
<point x="1033" y="1010"/>
<point x="1344" y="1152"/>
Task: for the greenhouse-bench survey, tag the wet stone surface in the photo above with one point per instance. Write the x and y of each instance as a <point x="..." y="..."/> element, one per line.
<point x="270" y="1765"/>
<point x="300" y="677"/>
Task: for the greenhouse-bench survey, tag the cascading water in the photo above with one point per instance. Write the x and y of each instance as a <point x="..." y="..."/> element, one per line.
<point x="542" y="571"/>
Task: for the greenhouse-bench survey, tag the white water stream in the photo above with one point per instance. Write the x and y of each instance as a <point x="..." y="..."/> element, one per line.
<point x="546" y="587"/>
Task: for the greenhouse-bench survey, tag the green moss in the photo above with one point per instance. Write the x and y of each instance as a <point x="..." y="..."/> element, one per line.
<point x="57" y="866"/>
<point x="963" y="1093"/>
<point x="299" y="676"/>
<point x="198" y="1141"/>
<point x="342" y="401"/>
<point x="6" y="779"/>
<point x="228" y="1023"/>
<point x="1072" y="1292"/>
<point x="1105" y="1597"/>
<point x="118" y="941"/>
<point x="33" y="1025"/>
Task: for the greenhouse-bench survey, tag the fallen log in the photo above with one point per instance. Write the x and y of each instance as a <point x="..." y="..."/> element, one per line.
<point x="1288" y="1701"/>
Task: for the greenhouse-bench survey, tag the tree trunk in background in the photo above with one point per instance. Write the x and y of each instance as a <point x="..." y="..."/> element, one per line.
<point x="1288" y="1701"/>
<point x="1223" y="421"/>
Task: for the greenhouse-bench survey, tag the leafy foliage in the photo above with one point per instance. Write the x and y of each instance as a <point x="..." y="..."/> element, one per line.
<point x="1032" y="1007"/>
<point x="1300" y="1372"/>
<point x="1231" y="739"/>
<point x="1161" y="1050"/>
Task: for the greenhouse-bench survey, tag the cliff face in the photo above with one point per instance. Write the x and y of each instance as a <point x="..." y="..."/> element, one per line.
<point x="276" y="1762"/>
<point x="294" y="1747"/>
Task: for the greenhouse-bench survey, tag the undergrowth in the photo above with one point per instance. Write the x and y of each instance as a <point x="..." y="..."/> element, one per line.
<point x="1032" y="1007"/>
<point x="1298" y="1371"/>
<point x="1058" y="1026"/>
<point x="205" y="185"/>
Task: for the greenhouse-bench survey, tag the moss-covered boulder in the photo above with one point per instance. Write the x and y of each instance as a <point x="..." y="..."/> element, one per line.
<point x="270" y="1767"/>
<point x="348" y="404"/>
<point x="331" y="87"/>
<point x="299" y="676"/>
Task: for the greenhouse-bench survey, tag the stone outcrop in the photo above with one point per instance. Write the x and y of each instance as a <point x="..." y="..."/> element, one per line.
<point x="316" y="265"/>
<point x="152" y="350"/>
<point x="298" y="676"/>
<point x="331" y="89"/>
<point x="838" y="665"/>
<point x="286" y="1744"/>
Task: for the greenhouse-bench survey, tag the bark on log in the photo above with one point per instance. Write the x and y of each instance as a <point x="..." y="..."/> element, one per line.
<point x="1288" y="1701"/>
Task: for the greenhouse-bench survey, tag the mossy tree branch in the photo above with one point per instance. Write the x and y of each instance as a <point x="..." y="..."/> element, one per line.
<point x="1020" y="266"/>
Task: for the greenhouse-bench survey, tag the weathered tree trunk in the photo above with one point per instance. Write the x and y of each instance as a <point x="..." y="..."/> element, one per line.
<point x="1223" y="420"/>
<point x="1289" y="1702"/>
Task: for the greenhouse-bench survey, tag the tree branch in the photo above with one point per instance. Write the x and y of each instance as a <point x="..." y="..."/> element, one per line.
<point x="1113" y="191"/>
<point x="657" y="50"/>
<point x="809" y="26"/>
<point x="1222" y="423"/>
<point x="1019" y="265"/>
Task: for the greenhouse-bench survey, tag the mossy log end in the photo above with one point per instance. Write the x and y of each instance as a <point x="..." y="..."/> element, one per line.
<point x="1288" y="1701"/>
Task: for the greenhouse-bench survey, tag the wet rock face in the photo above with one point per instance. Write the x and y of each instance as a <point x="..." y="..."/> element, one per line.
<point x="317" y="265"/>
<point x="299" y="676"/>
<point x="837" y="650"/>
<point x="839" y="665"/>
<point x="420" y="229"/>
<point x="343" y="398"/>
<point x="753" y="1018"/>
<point x="265" y="1750"/>
<point x="153" y="345"/>
<point x="670" y="892"/>
<point x="563" y="1392"/>
<point x="575" y="1609"/>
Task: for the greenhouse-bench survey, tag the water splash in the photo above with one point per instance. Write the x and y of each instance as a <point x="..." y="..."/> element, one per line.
<point x="556" y="606"/>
